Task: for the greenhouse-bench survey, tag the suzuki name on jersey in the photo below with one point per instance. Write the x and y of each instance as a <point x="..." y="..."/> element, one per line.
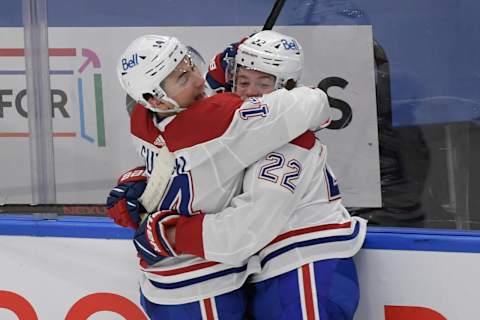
<point x="149" y="155"/>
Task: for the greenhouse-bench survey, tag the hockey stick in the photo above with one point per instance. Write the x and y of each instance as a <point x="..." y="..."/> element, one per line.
<point x="272" y="18"/>
<point x="164" y="164"/>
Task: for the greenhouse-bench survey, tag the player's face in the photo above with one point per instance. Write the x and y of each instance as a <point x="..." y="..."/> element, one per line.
<point x="185" y="84"/>
<point x="253" y="83"/>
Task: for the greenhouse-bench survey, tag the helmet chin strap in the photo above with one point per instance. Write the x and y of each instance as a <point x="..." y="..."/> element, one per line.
<point x="176" y="107"/>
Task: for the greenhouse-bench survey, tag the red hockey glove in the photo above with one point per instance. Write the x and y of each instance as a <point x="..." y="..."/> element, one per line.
<point x="122" y="202"/>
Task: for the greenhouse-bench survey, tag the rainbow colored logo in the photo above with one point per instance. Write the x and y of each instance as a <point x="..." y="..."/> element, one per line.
<point x="91" y="61"/>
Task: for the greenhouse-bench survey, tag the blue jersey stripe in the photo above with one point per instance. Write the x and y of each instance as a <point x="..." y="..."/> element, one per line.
<point x="206" y="277"/>
<point x="311" y="242"/>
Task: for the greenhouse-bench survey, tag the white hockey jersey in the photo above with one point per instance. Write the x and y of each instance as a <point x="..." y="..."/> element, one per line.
<point x="288" y="214"/>
<point x="213" y="142"/>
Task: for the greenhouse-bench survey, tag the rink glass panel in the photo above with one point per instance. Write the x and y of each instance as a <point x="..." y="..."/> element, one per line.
<point x="427" y="99"/>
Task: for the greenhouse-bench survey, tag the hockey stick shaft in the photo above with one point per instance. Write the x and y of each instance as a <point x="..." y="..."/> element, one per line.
<point x="272" y="18"/>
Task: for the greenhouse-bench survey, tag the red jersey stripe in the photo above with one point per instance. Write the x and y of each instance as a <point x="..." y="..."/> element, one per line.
<point x="298" y="232"/>
<point x="194" y="267"/>
<point x="208" y="309"/>
<point x="308" y="292"/>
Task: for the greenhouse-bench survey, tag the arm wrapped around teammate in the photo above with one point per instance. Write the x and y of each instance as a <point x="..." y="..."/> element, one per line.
<point x="152" y="238"/>
<point x="219" y="77"/>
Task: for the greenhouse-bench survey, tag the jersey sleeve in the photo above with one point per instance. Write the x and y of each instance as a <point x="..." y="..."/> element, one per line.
<point x="216" y="75"/>
<point x="231" y="131"/>
<point x="264" y="124"/>
<point x="272" y="189"/>
<point x="300" y="109"/>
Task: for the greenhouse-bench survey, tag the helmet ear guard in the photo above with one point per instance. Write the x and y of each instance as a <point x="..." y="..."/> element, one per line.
<point x="273" y="53"/>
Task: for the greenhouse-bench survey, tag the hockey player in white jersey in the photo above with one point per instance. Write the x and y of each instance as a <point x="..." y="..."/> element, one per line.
<point x="213" y="141"/>
<point x="289" y="213"/>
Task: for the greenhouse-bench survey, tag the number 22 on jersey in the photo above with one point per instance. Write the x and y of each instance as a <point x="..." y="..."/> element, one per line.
<point x="278" y="170"/>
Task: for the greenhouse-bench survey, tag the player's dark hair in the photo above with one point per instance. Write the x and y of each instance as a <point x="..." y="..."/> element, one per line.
<point x="290" y="84"/>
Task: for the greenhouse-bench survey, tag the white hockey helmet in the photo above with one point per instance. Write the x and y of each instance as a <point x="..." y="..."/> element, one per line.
<point x="273" y="53"/>
<point x="146" y="62"/>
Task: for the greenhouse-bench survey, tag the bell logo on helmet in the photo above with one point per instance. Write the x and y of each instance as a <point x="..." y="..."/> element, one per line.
<point x="146" y="62"/>
<point x="130" y="63"/>
<point x="289" y="45"/>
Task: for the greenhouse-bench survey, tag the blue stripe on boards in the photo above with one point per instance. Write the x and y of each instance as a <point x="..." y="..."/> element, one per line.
<point x="377" y="237"/>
